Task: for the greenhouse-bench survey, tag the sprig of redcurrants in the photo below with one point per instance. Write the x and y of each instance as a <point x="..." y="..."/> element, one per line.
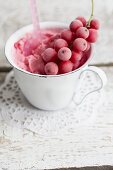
<point x="67" y="51"/>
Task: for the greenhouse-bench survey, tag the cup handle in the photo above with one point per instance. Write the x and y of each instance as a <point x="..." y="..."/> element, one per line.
<point x="99" y="74"/>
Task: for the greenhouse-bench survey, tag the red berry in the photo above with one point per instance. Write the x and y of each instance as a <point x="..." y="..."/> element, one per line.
<point x="51" y="68"/>
<point x="95" y="24"/>
<point x="79" y="44"/>
<point x="75" y="25"/>
<point x="52" y="39"/>
<point x="49" y="55"/>
<point x="67" y="35"/>
<point x="82" y="19"/>
<point x="65" y="67"/>
<point x="76" y="56"/>
<point x="55" y="37"/>
<point x="64" y="54"/>
<point x="82" y="32"/>
<point x="83" y="61"/>
<point x="88" y="47"/>
<point x="59" y="43"/>
<point x="87" y="54"/>
<point x="76" y="65"/>
<point x="51" y="44"/>
<point x="93" y="35"/>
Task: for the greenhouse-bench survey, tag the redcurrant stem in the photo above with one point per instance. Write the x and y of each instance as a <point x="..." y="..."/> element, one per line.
<point x="92" y="14"/>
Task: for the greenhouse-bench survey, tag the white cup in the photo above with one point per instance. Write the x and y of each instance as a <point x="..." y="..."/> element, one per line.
<point x="48" y="92"/>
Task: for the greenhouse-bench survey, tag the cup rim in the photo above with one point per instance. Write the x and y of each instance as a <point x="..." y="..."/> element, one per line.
<point x="21" y="32"/>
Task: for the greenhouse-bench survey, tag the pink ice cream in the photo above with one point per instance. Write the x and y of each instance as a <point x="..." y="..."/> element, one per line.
<point x="28" y="54"/>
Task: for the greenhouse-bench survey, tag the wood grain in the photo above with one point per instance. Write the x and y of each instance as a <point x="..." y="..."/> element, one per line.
<point x="90" y="168"/>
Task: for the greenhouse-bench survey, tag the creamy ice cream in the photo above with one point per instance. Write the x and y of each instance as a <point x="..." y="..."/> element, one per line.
<point x="28" y="53"/>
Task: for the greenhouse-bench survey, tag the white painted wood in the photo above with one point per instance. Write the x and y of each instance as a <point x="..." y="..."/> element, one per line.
<point x="90" y="145"/>
<point x="15" y="14"/>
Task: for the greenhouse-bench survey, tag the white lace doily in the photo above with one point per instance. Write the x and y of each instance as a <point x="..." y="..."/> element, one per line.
<point x="17" y="112"/>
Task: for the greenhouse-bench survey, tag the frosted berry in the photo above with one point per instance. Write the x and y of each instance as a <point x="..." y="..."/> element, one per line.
<point x="49" y="55"/>
<point x="76" y="65"/>
<point x="93" y="35"/>
<point x="59" y="43"/>
<point x="83" y="61"/>
<point x="51" y="44"/>
<point x="76" y="56"/>
<point x="74" y="36"/>
<point x="88" y="47"/>
<point x="82" y="32"/>
<point x="52" y="39"/>
<point x="64" y="54"/>
<point x="67" y="35"/>
<point x="87" y="54"/>
<point x="95" y="24"/>
<point x="75" y="25"/>
<point x="51" y="68"/>
<point x="65" y="67"/>
<point x="80" y="44"/>
<point x="82" y="19"/>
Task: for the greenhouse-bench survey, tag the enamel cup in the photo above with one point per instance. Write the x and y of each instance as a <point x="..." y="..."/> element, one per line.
<point x="48" y="92"/>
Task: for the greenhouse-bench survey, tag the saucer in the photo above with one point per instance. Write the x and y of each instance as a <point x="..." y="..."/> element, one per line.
<point x="17" y="112"/>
